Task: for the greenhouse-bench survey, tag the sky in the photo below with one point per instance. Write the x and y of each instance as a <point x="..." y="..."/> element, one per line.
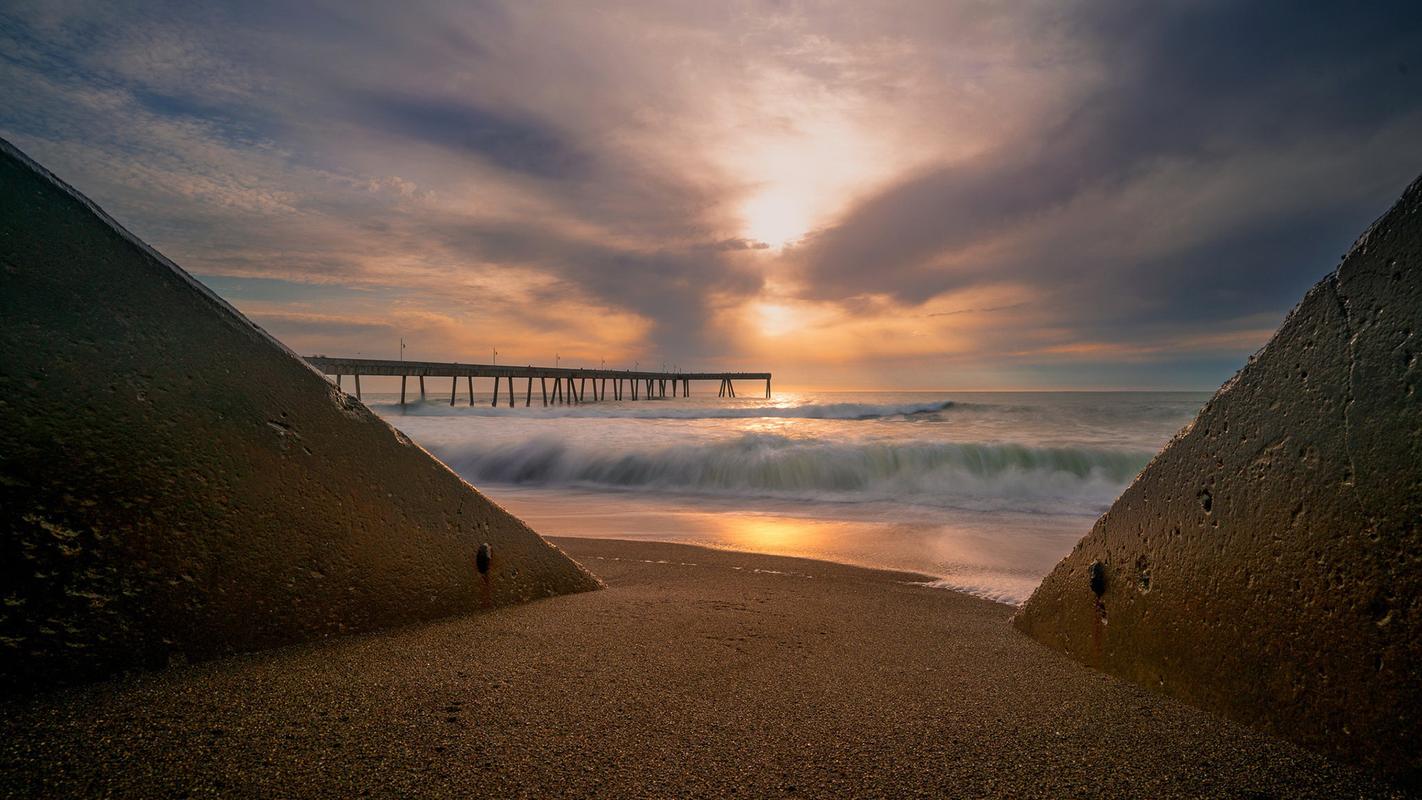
<point x="914" y="194"/>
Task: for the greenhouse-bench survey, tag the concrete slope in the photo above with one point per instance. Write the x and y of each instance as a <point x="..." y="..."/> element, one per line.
<point x="1267" y="565"/>
<point x="175" y="482"/>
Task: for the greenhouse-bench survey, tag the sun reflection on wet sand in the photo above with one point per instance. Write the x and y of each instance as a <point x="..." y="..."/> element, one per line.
<point x="776" y="535"/>
<point x="995" y="556"/>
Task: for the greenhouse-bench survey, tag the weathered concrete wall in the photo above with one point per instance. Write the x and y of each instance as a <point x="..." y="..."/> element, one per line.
<point x="1267" y="565"/>
<point x="173" y="481"/>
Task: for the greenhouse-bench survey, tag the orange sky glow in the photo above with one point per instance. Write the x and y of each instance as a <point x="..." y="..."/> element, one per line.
<point x="951" y="195"/>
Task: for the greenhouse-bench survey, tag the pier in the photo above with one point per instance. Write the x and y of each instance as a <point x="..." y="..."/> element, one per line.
<point x="555" y="384"/>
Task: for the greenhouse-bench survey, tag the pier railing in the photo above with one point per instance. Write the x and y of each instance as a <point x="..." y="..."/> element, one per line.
<point x="569" y="385"/>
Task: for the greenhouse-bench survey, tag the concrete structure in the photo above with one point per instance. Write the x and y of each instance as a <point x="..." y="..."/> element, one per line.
<point x="569" y="385"/>
<point x="1267" y="565"/>
<point x="175" y="482"/>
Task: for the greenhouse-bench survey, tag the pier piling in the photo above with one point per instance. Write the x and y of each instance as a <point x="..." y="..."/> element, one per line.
<point x="569" y="385"/>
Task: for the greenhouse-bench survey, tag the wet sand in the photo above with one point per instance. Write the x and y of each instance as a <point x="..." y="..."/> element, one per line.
<point x="696" y="673"/>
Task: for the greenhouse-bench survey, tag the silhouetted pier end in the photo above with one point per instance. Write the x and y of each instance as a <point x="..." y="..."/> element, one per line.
<point x="568" y="386"/>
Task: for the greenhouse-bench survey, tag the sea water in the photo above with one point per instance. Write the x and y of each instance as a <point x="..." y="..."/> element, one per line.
<point x="982" y="492"/>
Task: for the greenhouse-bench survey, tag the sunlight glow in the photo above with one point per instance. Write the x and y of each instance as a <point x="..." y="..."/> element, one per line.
<point x="767" y="534"/>
<point x="777" y="218"/>
<point x="775" y="319"/>
<point x="802" y="155"/>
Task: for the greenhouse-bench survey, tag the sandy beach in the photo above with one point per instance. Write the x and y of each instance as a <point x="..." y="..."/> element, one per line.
<point x="695" y="673"/>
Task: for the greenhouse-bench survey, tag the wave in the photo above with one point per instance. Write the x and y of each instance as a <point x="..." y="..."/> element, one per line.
<point x="984" y="476"/>
<point x="650" y="410"/>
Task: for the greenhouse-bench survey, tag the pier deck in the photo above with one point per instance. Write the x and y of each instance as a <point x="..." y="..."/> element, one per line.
<point x="569" y="385"/>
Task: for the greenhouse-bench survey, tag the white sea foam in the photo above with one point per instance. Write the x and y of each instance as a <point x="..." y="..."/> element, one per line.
<point x="771" y="465"/>
<point x="661" y="410"/>
<point x="1000" y="588"/>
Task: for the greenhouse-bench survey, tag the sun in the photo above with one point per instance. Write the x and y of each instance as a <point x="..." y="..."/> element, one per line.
<point x="777" y="218"/>
<point x="775" y="319"/>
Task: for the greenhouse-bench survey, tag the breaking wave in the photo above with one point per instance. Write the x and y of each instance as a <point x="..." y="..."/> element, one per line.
<point x="657" y="410"/>
<point x="984" y="476"/>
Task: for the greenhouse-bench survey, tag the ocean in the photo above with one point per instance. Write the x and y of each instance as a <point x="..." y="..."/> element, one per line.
<point x="984" y="492"/>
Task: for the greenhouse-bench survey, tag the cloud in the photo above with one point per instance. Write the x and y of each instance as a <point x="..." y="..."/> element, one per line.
<point x="1018" y="183"/>
<point x="1192" y="103"/>
<point x="504" y="141"/>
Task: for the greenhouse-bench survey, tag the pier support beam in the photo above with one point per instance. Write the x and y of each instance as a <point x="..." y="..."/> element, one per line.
<point x="570" y="386"/>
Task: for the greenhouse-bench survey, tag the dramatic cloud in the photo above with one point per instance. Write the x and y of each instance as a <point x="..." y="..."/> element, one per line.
<point x="1212" y="160"/>
<point x="927" y="193"/>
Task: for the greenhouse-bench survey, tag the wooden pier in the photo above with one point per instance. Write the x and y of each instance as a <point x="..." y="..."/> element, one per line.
<point x="555" y="384"/>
